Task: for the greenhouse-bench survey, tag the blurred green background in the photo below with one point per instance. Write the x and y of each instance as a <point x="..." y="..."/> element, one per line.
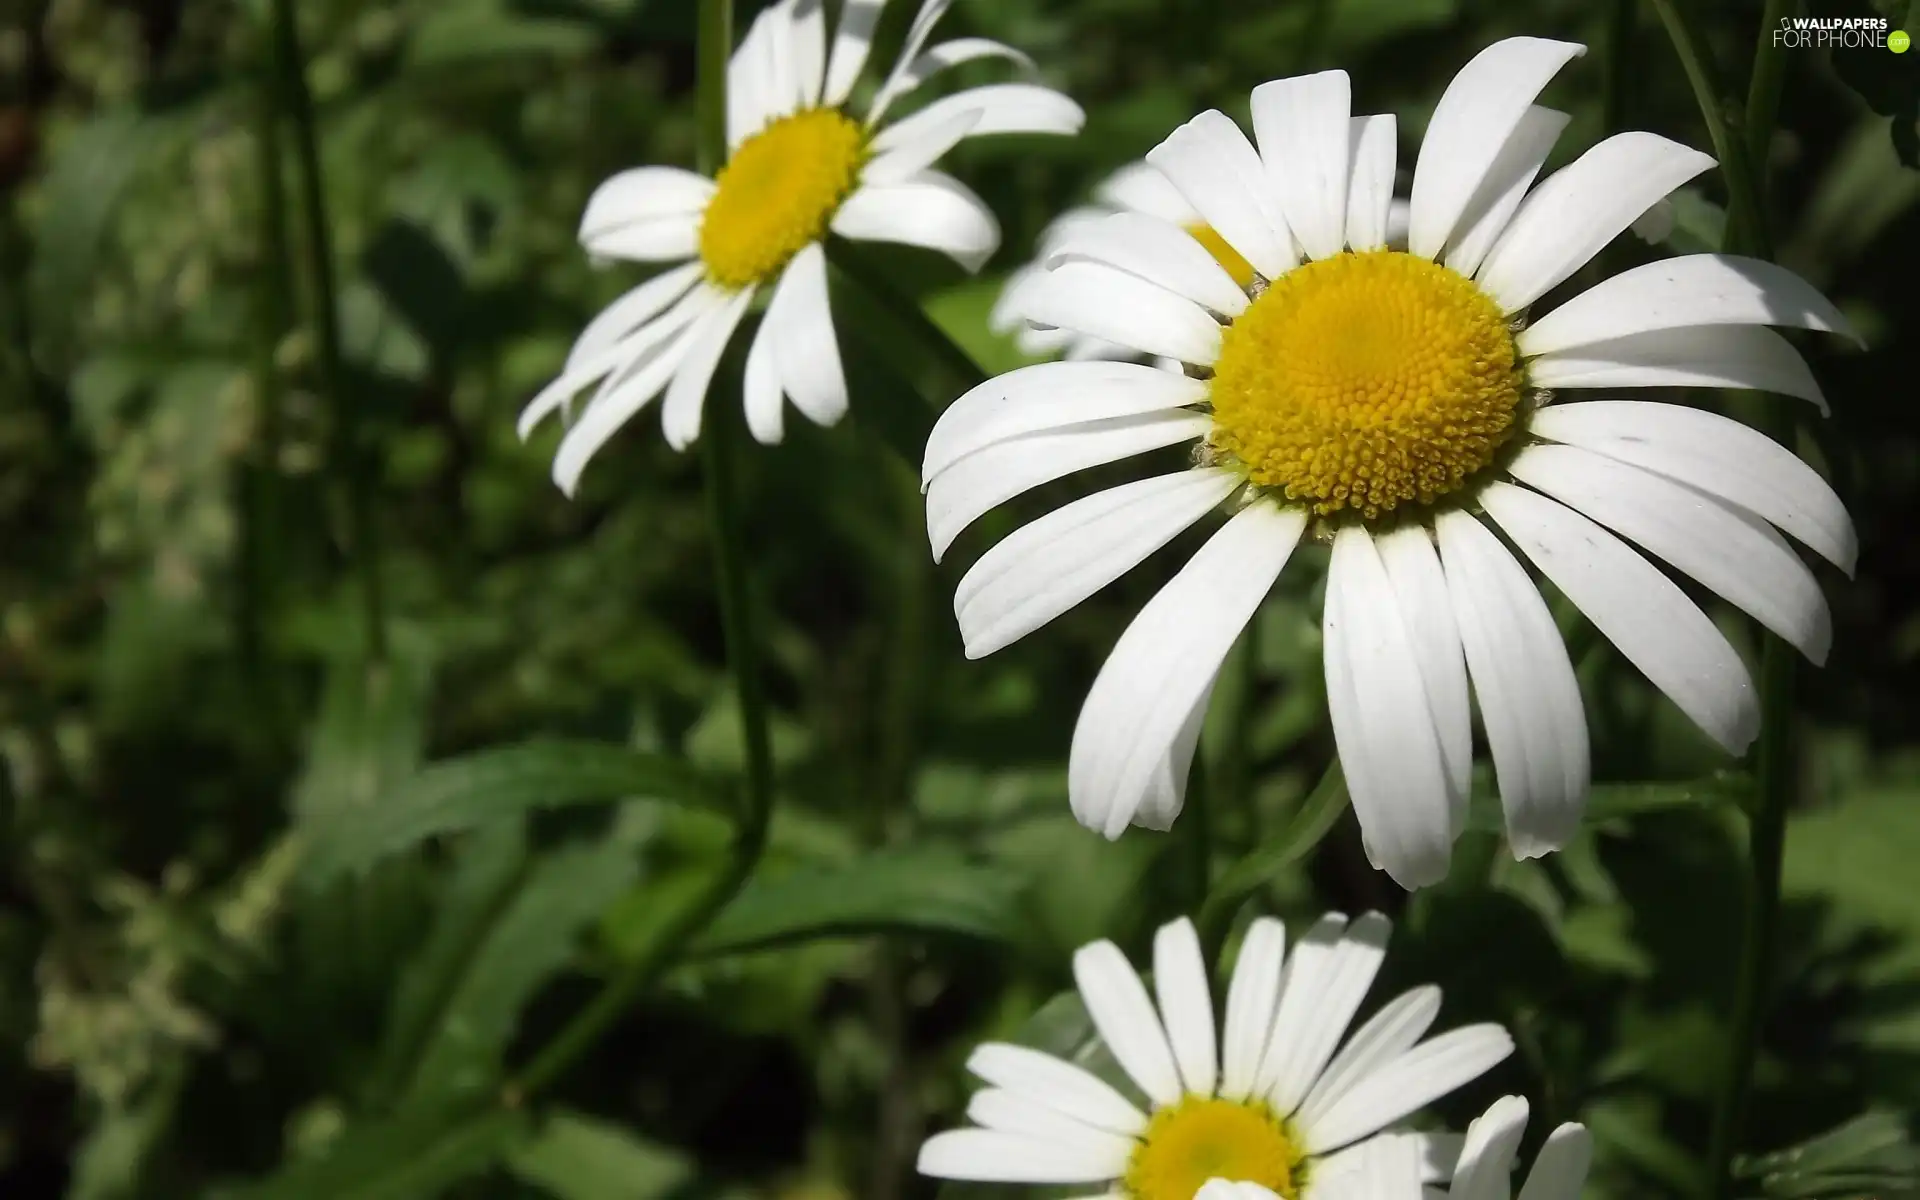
<point x="228" y="968"/>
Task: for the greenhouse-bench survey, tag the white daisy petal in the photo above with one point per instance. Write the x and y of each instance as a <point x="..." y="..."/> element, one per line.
<point x="1399" y="218"/>
<point x="1696" y="289"/>
<point x="1391" y="1032"/>
<point x="1373" y="153"/>
<point x="988" y="1156"/>
<point x="1735" y="555"/>
<point x="1186" y="1004"/>
<point x="1303" y="979"/>
<point x="1051" y="564"/>
<point x="1579" y="209"/>
<point x="977" y="483"/>
<point x="1014" y="1112"/>
<point x="619" y="362"/>
<point x="781" y="83"/>
<point x="1410" y="1082"/>
<point x="1166" y="658"/>
<point x="1437" y="1153"/>
<point x="627" y="392"/>
<point x="1485" y="1169"/>
<point x="748" y="97"/>
<point x="632" y="310"/>
<point x="806" y="349"/>
<point x="1301" y="127"/>
<point x="1065" y="1088"/>
<point x="760" y="389"/>
<point x="687" y="394"/>
<point x="931" y="210"/>
<point x="1051" y="396"/>
<point x="931" y="11"/>
<point x="912" y="156"/>
<point x="809" y="43"/>
<point x="1232" y="1189"/>
<point x="1387" y="1167"/>
<point x="1118" y="1003"/>
<point x="1109" y="303"/>
<point x="1529" y="698"/>
<point x="1505" y="186"/>
<point x="937" y="59"/>
<point x="1640" y="610"/>
<point x="1141" y="187"/>
<point x="1166" y="792"/>
<point x="1157" y="252"/>
<point x="660" y="239"/>
<point x="1001" y="108"/>
<point x="851" y="42"/>
<point x="1420" y="586"/>
<point x="1716" y="455"/>
<point x="1721" y="356"/>
<point x="1317" y="1005"/>
<point x="1211" y="163"/>
<point x="1560" y="1169"/>
<point x="644" y="194"/>
<point x="1251" y="997"/>
<point x="1470" y="125"/>
<point x="1383" y="724"/>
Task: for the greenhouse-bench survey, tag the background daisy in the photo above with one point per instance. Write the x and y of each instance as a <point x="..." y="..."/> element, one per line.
<point x="1399" y="405"/>
<point x="799" y="167"/>
<point x="1278" y="1095"/>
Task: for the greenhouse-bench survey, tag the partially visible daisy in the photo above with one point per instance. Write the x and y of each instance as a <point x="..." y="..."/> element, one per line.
<point x="798" y="167"/>
<point x="1277" y="1096"/>
<point x="1386" y="1169"/>
<point x="1135" y="188"/>
<point x="1400" y="406"/>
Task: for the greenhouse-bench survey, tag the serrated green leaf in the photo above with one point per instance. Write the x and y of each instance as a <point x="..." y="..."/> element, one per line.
<point x="924" y="890"/>
<point x="498" y="785"/>
<point x="576" y="1157"/>
<point x="531" y="940"/>
<point x="413" y="1156"/>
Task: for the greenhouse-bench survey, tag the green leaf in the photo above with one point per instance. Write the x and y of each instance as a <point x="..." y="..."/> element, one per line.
<point x="369" y="737"/>
<point x="577" y="1157"/>
<point x="421" y="282"/>
<point x="924" y="890"/>
<point x="415" y="1156"/>
<point x="1614" y="801"/>
<point x="1869" y="1154"/>
<point x="531" y="939"/>
<point x="498" y="785"/>
<point x="92" y="171"/>
<point x="1310" y="825"/>
<point x="467" y="34"/>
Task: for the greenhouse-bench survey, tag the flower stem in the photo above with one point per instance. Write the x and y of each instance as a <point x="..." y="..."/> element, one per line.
<point x="1777" y="764"/>
<point x="349" y="449"/>
<point x="718" y="444"/>
<point x="921" y="351"/>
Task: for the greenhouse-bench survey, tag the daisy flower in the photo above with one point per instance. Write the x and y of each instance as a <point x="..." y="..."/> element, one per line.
<point x="1399" y="405"/>
<point x="799" y="166"/>
<point x="1272" y="1097"/>
<point x="1135" y="188"/>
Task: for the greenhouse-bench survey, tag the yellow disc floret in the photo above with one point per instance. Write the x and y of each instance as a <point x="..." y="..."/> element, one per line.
<point x="1200" y="1139"/>
<point x="1223" y="253"/>
<point x="1364" y="382"/>
<point x="777" y="193"/>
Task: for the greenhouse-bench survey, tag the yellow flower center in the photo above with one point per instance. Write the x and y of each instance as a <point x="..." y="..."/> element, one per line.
<point x="1200" y="1139"/>
<point x="1224" y="254"/>
<point x="777" y="193"/>
<point x="1364" y="382"/>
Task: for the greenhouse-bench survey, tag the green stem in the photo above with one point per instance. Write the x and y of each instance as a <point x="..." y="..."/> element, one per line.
<point x="1744" y="226"/>
<point x="717" y="448"/>
<point x="1234" y="778"/>
<point x="1311" y="822"/>
<point x="1617" y="85"/>
<point x="349" y="442"/>
<point x="263" y="508"/>
<point x="1777" y="769"/>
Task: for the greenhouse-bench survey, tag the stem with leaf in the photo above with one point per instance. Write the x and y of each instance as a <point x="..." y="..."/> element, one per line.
<point x="1776" y="768"/>
<point x="1311" y="823"/>
<point x="349" y="441"/>
<point x="718" y="445"/>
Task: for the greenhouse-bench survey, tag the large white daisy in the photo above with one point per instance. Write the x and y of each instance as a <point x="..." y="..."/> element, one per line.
<point x="1272" y="1097"/>
<point x="1135" y="188"/>
<point x="798" y="167"/>
<point x="1398" y="405"/>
